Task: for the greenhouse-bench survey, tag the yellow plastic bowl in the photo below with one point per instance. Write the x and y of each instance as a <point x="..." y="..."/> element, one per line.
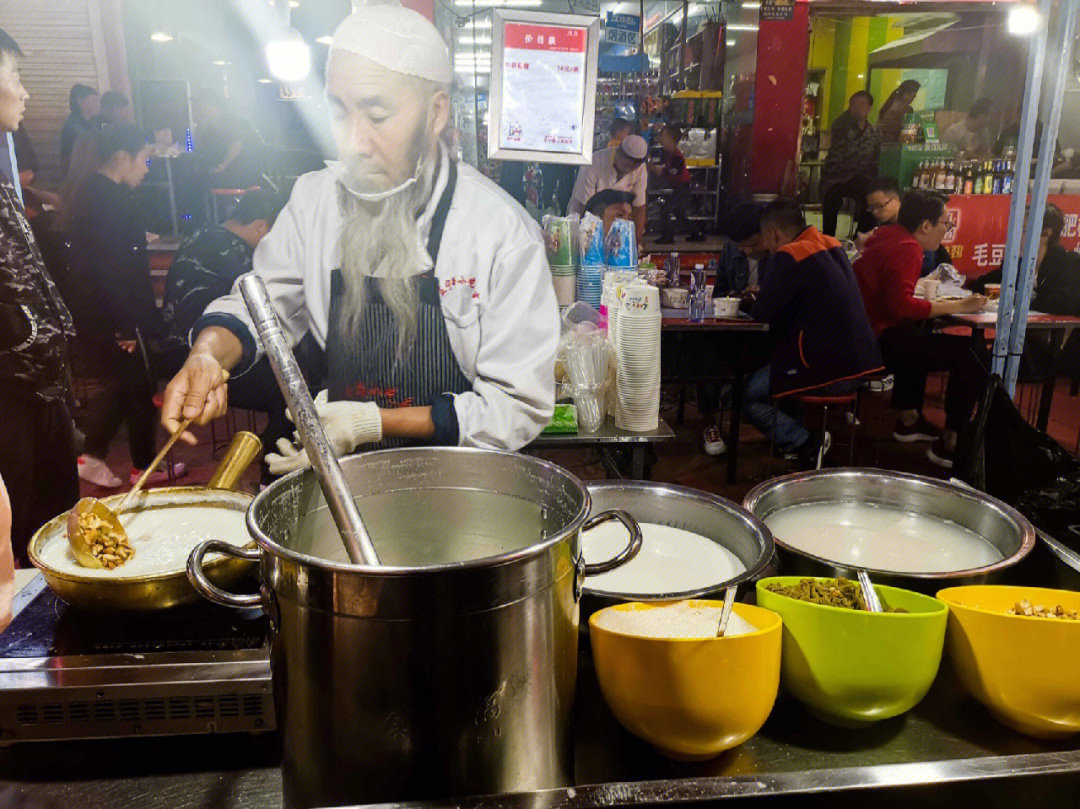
<point x="852" y="667"/>
<point x="1026" y="670"/>
<point x="690" y="698"/>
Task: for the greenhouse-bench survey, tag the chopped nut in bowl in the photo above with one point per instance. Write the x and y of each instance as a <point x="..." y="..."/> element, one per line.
<point x="1017" y="656"/>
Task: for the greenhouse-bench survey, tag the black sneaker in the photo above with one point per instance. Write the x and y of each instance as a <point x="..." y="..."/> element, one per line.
<point x="921" y="430"/>
<point x="811" y="455"/>
<point x="939" y="455"/>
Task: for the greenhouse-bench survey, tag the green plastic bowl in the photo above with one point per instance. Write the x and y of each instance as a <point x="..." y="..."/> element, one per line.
<point x="854" y="668"/>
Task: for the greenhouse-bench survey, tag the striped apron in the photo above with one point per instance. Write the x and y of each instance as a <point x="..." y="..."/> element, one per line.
<point x="365" y="368"/>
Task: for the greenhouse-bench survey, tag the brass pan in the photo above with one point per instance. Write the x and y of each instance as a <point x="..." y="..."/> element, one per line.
<point x="161" y="590"/>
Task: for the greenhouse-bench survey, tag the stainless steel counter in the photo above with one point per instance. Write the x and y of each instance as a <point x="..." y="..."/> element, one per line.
<point x="948" y="752"/>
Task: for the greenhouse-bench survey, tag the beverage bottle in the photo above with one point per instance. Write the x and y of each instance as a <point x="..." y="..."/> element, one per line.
<point x="1007" y="179"/>
<point x="671" y="270"/>
<point x="999" y="176"/>
<point x="950" y="178"/>
<point x="926" y="178"/>
<point x="988" y="178"/>
<point x="697" y="294"/>
<point x="969" y="180"/>
<point x="916" y="177"/>
<point x="977" y="185"/>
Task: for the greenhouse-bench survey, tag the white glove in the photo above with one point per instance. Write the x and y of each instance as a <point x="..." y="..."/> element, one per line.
<point x="347" y="425"/>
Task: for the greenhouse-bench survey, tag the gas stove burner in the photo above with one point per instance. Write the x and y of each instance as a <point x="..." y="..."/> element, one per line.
<point x="69" y="674"/>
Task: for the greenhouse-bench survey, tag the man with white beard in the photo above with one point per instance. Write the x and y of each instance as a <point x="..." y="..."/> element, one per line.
<point x="426" y="284"/>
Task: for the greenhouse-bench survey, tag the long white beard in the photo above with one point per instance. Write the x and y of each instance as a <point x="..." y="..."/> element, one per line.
<point x="379" y="242"/>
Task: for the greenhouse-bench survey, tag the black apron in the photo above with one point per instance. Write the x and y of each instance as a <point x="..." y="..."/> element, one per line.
<point x="365" y="368"/>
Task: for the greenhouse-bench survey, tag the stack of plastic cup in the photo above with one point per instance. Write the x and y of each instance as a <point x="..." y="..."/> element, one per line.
<point x="638" y="360"/>
<point x="590" y="278"/>
<point x="558" y="238"/>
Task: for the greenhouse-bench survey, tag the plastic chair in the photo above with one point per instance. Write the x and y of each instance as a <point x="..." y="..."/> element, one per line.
<point x="848" y="400"/>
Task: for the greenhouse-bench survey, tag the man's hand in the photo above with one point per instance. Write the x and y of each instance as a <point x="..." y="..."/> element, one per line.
<point x="347" y="425"/>
<point x="128" y="345"/>
<point x="197" y="392"/>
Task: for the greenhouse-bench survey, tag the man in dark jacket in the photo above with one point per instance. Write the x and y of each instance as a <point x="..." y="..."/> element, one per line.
<point x="37" y="445"/>
<point x="85" y="104"/>
<point x="822" y="340"/>
<point x="851" y="162"/>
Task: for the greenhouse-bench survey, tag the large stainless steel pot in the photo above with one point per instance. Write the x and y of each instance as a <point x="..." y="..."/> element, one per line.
<point x="999" y="524"/>
<point x="450" y="670"/>
<point x="720" y="520"/>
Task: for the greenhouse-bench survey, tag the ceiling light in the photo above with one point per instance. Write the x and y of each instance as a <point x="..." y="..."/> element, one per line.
<point x="161" y="36"/>
<point x="750" y="6"/>
<point x="294" y="3"/>
<point x="474" y="40"/>
<point x="288" y="56"/>
<point x="325" y="40"/>
<point x="731" y="43"/>
<point x="1023" y="20"/>
<point x="266" y="81"/>
<point x="221" y="62"/>
<point x="468" y="71"/>
<point x="741" y="27"/>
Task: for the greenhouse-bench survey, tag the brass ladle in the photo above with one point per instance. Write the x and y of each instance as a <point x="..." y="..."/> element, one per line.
<point x="82" y="541"/>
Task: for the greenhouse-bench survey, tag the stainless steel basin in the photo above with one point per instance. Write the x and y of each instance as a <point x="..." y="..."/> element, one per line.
<point x="722" y="521"/>
<point x="1002" y="526"/>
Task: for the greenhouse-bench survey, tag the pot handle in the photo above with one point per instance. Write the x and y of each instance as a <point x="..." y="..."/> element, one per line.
<point x="210" y="591"/>
<point x="627" y="553"/>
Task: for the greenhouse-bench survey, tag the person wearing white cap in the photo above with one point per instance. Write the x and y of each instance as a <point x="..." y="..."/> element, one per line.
<point x="621" y="168"/>
<point x="427" y="286"/>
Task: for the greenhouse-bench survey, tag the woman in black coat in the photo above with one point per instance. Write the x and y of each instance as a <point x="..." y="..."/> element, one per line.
<point x="112" y="300"/>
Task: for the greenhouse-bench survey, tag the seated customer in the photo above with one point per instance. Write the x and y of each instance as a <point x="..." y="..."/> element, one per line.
<point x="887" y="271"/>
<point x="883" y="202"/>
<point x="610" y="205"/>
<point x="738" y="270"/>
<point x="1057" y="271"/>
<point x="822" y="341"/>
<point x="207" y="265"/>
<point x="1056" y="290"/>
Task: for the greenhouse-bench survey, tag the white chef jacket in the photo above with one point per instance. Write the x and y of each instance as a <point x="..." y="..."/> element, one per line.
<point x="497" y="298"/>
<point x="601" y="175"/>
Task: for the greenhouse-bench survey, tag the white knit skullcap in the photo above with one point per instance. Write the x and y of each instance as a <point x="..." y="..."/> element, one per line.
<point x="397" y="38"/>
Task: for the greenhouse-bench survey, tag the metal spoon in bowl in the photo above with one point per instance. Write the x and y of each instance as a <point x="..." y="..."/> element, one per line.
<point x="869" y="594"/>
<point x="725" y="614"/>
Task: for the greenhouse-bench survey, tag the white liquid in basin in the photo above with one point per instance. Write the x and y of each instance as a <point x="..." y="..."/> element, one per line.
<point x="881" y="538"/>
<point x="670" y="560"/>
<point x="162" y="538"/>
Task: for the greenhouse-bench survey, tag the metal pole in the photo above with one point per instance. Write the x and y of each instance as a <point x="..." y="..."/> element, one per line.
<point x="1026" y="140"/>
<point x="1062" y="47"/>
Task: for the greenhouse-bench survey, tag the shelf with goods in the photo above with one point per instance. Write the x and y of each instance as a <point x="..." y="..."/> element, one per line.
<point x="698" y="114"/>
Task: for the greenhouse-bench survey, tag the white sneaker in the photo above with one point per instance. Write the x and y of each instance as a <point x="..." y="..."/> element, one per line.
<point x="161" y="475"/>
<point x="714" y="444"/>
<point x="96" y="471"/>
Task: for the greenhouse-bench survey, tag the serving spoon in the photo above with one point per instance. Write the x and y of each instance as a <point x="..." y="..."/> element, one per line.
<point x="869" y="594"/>
<point x="82" y="540"/>
<point x="725" y="614"/>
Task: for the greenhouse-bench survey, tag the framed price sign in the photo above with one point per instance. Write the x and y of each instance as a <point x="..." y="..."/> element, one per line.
<point x="543" y="86"/>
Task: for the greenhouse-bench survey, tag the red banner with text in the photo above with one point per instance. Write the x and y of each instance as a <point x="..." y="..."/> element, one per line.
<point x="978" y="227"/>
